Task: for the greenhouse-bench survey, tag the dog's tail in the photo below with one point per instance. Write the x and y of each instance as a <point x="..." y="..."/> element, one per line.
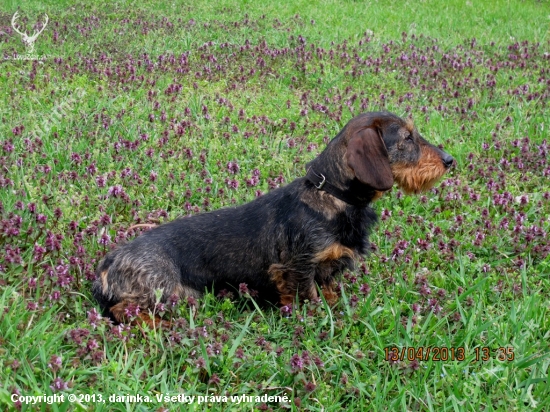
<point x="100" y="287"/>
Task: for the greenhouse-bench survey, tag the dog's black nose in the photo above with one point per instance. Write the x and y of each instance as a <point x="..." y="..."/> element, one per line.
<point x="448" y="160"/>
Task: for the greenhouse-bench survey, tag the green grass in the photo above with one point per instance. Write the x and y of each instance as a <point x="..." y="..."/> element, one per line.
<point x="114" y="102"/>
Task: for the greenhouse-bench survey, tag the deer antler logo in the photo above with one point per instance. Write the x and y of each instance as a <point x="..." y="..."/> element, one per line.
<point x="28" y="40"/>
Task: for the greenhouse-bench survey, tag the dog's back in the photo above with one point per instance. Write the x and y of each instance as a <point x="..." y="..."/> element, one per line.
<point x="215" y="250"/>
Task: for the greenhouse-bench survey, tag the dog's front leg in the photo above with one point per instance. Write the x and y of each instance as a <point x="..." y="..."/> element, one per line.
<point x="328" y="263"/>
<point x="327" y="286"/>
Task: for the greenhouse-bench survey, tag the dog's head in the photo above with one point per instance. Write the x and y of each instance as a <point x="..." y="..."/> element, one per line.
<point x="379" y="149"/>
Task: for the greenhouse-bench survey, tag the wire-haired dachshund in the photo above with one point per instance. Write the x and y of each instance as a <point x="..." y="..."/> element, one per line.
<point x="286" y="244"/>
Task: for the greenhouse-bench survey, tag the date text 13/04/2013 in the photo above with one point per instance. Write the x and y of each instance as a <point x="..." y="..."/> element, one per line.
<point x="444" y="353"/>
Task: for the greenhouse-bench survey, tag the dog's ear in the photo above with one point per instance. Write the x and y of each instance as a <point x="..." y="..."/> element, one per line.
<point x="368" y="158"/>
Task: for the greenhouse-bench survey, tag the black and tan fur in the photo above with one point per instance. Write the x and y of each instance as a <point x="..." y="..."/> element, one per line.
<point x="283" y="244"/>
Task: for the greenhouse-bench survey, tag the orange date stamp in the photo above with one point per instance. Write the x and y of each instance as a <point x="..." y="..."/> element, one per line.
<point x="444" y="353"/>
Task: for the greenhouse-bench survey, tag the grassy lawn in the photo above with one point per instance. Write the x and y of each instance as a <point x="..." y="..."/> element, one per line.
<point x="130" y="112"/>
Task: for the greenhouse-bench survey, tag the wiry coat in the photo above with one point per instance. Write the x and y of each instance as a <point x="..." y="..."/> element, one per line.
<point x="286" y="243"/>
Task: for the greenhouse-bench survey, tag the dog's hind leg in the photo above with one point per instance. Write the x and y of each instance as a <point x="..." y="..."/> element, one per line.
<point x="292" y="283"/>
<point x="127" y="311"/>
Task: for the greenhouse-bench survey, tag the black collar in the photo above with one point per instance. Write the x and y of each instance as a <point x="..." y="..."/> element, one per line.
<point x="320" y="182"/>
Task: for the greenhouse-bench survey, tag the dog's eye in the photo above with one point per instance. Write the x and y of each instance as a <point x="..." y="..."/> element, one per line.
<point x="409" y="137"/>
